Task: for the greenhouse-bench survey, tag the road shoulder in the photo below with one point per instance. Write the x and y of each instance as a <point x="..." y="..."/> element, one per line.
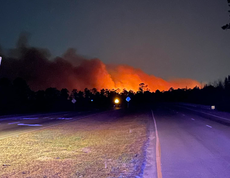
<point x="150" y="161"/>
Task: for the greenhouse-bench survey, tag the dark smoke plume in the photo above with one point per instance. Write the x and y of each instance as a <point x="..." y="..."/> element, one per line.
<point x="73" y="71"/>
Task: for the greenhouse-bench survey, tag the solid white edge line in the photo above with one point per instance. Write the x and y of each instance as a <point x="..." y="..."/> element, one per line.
<point x="158" y="149"/>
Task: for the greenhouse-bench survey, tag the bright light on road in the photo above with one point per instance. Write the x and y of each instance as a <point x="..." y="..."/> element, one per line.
<point x="116" y="101"/>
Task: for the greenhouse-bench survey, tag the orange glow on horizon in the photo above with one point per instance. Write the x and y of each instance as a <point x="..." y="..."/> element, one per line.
<point x="72" y="71"/>
<point x="94" y="73"/>
<point x="126" y="77"/>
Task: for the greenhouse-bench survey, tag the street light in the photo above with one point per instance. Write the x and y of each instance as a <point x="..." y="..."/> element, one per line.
<point x="116" y="101"/>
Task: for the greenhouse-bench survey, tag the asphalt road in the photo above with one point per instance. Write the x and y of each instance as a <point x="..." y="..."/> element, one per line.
<point x="192" y="145"/>
<point x="18" y="124"/>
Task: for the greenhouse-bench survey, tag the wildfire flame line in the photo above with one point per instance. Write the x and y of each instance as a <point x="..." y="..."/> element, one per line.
<point x="72" y="71"/>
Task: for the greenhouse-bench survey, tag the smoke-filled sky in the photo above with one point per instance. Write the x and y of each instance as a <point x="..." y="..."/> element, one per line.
<point x="73" y="71"/>
<point x="167" y="39"/>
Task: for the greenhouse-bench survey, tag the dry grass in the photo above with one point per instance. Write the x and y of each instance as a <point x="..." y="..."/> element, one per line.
<point x="84" y="148"/>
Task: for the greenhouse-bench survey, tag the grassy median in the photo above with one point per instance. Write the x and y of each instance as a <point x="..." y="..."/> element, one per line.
<point x="90" y="147"/>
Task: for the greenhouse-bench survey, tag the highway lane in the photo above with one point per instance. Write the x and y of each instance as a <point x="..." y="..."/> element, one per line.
<point x="191" y="145"/>
<point x="14" y="125"/>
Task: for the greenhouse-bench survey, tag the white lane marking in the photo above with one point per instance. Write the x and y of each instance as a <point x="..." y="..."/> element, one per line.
<point x="34" y="125"/>
<point x="63" y="118"/>
<point x="206" y="113"/>
<point x="192" y="119"/>
<point x="209" y="126"/>
<point x="52" y="125"/>
<point x="13" y="123"/>
<point x="22" y="124"/>
<point x="31" y="125"/>
<point x="30" y="118"/>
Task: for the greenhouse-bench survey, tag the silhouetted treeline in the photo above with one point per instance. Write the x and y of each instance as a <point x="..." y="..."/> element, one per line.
<point x="17" y="97"/>
<point x="217" y="94"/>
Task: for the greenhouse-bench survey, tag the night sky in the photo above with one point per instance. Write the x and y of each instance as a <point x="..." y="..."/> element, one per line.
<point x="169" y="39"/>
